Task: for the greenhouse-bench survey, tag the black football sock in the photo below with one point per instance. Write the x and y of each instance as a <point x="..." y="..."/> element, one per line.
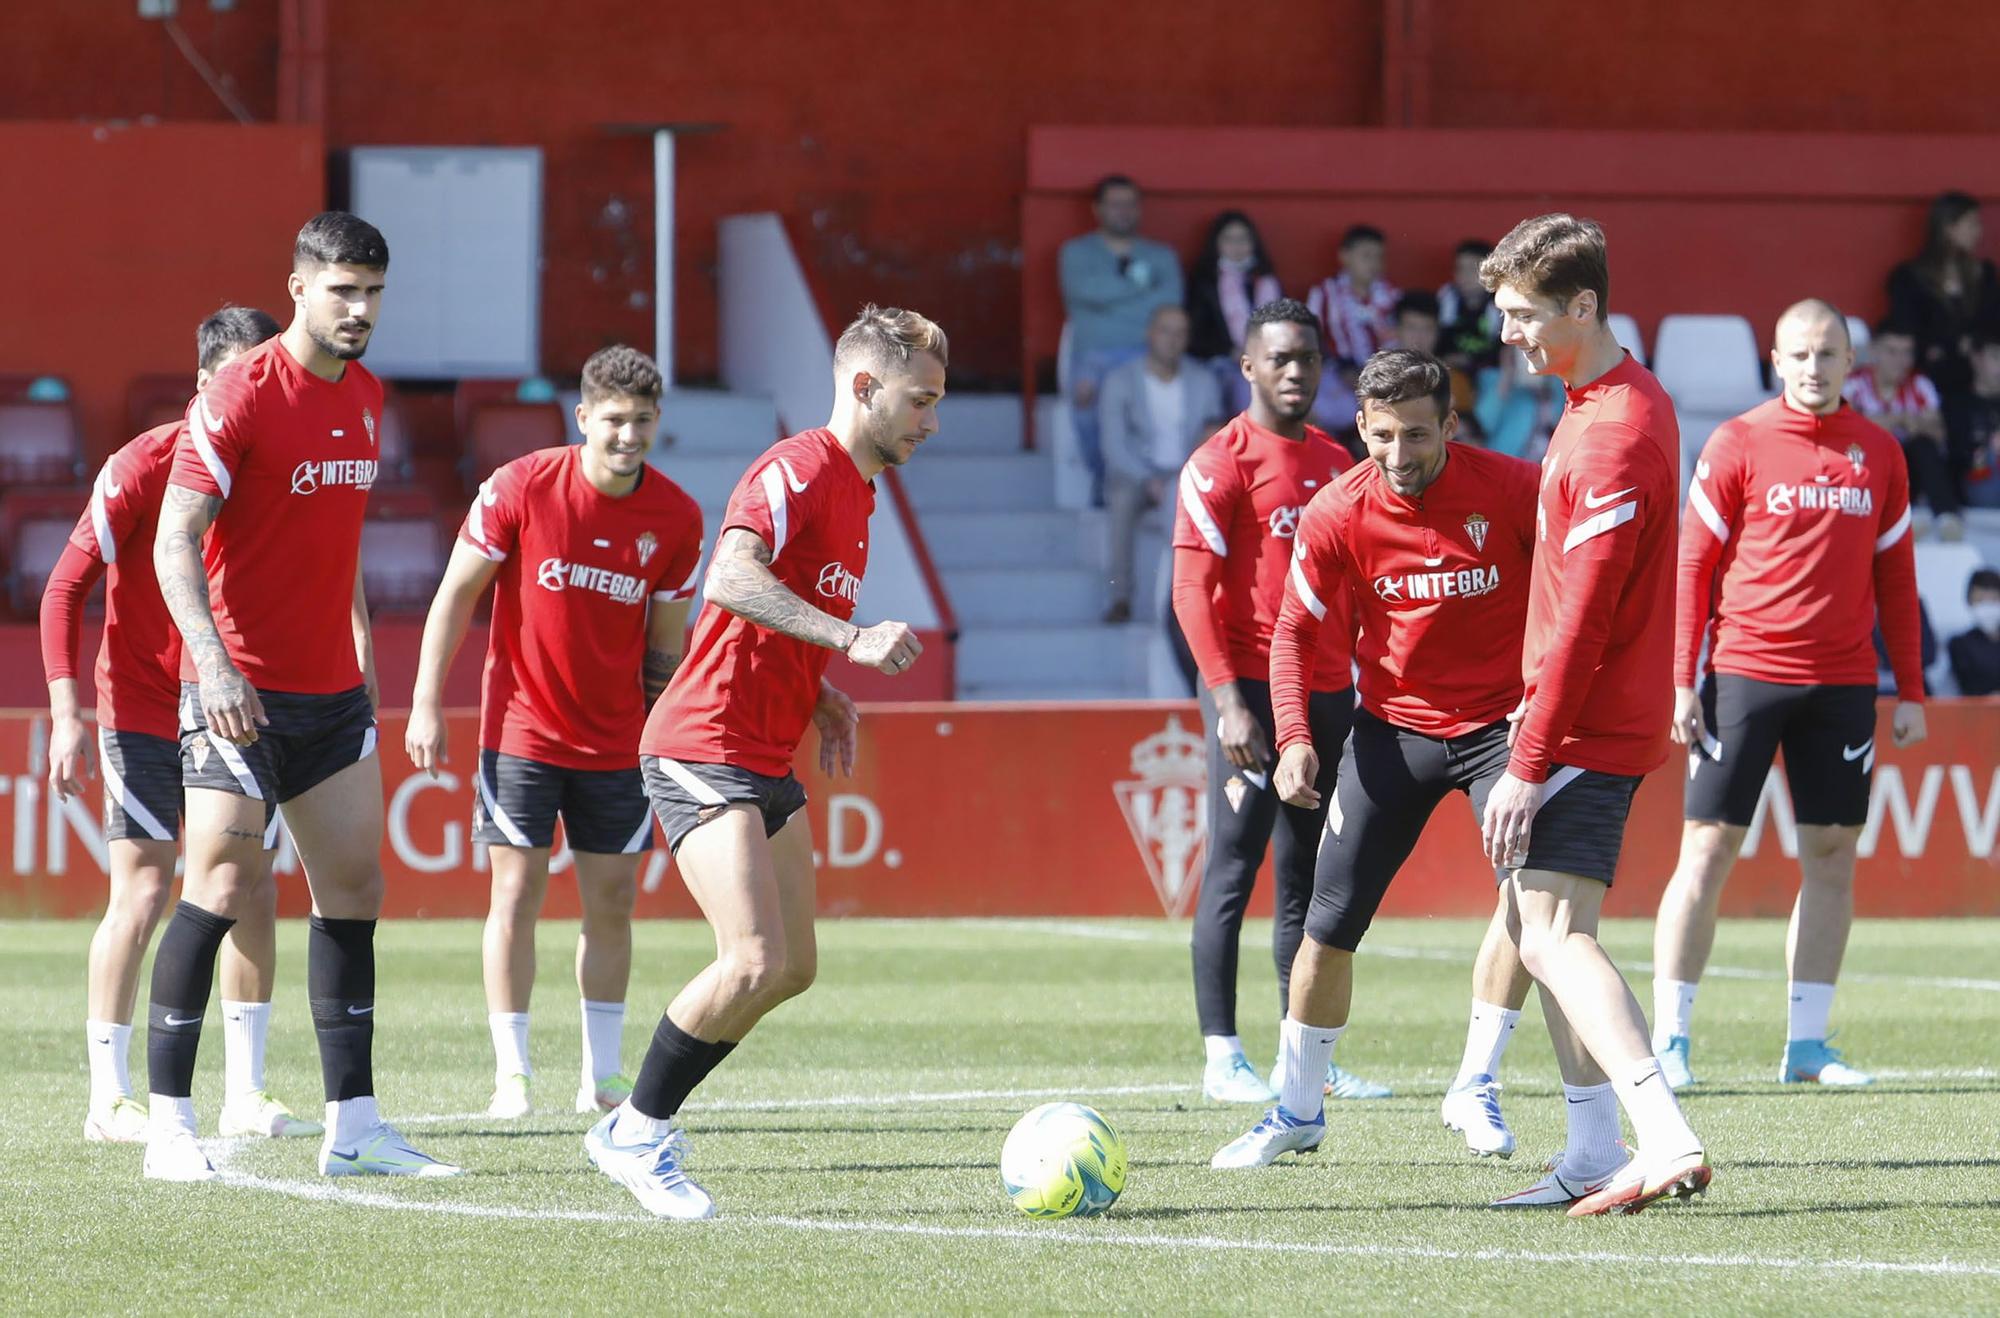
<point x="340" y="978"/>
<point x="675" y="1063"/>
<point x="183" y="974"/>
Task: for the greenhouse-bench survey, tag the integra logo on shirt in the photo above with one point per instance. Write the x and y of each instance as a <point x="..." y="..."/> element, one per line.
<point x="558" y="575"/>
<point x="357" y="473"/>
<point x="1284" y="522"/>
<point x="1785" y="499"/>
<point x="836" y="582"/>
<point x="1410" y="587"/>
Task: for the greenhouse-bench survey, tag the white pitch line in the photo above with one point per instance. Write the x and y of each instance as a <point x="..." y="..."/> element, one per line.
<point x="328" y="1192"/>
<point x="1118" y="934"/>
<point x="864" y="1100"/>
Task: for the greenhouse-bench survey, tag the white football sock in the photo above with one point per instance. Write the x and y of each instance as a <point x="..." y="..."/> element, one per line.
<point x="245" y="1026"/>
<point x="1486" y="1037"/>
<point x="510" y="1043"/>
<point x="108" y="1045"/>
<point x="603" y="1039"/>
<point x="631" y="1121"/>
<point x="167" y="1114"/>
<point x="1657" y="1123"/>
<point x="1304" y="1051"/>
<point x="348" y="1119"/>
<point x="1806" y="1016"/>
<point x="1592" y="1146"/>
<point x="1673" y="1009"/>
<point x="1221" y="1047"/>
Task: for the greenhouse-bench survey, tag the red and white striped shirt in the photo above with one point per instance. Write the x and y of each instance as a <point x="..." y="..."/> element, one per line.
<point x="1915" y="394"/>
<point x="1356" y="326"/>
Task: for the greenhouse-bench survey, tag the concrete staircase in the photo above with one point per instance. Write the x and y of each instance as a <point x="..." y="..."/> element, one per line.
<point x="1025" y="578"/>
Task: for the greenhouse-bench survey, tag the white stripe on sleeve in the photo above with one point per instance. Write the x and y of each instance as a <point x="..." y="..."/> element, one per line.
<point x="1608" y="520"/>
<point x="685" y="591"/>
<point x="1304" y="587"/>
<point x="1889" y="537"/>
<point x="205" y="423"/>
<point x="100" y="518"/>
<point x="774" y="495"/>
<point x="1711" y="518"/>
<point x="1198" y="513"/>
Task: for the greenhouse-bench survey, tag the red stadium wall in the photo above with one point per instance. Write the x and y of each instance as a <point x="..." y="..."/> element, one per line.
<point x="120" y="238"/>
<point x="895" y="137"/>
<point x="1079" y="811"/>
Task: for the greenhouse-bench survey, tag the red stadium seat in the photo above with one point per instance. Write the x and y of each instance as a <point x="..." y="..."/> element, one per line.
<point x="501" y="432"/>
<point x="400" y="562"/>
<point x="38" y="444"/>
<point x="156" y="400"/>
<point x="37" y="544"/>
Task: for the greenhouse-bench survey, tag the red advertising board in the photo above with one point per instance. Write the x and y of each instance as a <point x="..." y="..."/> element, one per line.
<point x="966" y="810"/>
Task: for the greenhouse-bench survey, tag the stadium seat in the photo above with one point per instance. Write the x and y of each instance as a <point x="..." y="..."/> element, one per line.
<point x="501" y="432"/>
<point x="1709" y="363"/>
<point x="1857" y="330"/>
<point x="400" y="562"/>
<point x="392" y="440"/>
<point x="38" y="444"/>
<point x="155" y="400"/>
<point x="37" y="544"/>
<point x="1942" y="571"/>
<point x="1626" y="331"/>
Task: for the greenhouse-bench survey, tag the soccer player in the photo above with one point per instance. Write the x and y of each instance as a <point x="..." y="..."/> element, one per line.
<point x="1801" y="508"/>
<point x="1426" y="547"/>
<point x="138" y="689"/>
<point x="594" y="554"/>
<point x="1240" y="497"/>
<point x="258" y="559"/>
<point x="1597" y="662"/>
<point x="718" y="746"/>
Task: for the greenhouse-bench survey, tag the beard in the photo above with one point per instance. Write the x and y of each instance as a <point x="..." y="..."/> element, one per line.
<point x="334" y="348"/>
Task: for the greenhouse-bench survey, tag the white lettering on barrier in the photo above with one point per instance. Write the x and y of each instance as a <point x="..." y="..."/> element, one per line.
<point x="1775" y="804"/>
<point x="27" y="794"/>
<point x="1913" y="826"/>
<point x="447" y="857"/>
<point x="841" y="807"/>
<point x="88" y="827"/>
<point x="285" y="859"/>
<point x="1981" y="821"/>
<point x="656" y="870"/>
<point x="1889" y="798"/>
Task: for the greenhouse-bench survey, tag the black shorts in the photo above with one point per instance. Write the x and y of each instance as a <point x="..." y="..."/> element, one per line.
<point x="1828" y="736"/>
<point x="515" y="802"/>
<point x="309" y="739"/>
<point x="685" y="794"/>
<point x="142" y="785"/>
<point x="1580" y="827"/>
<point x="1390" y="781"/>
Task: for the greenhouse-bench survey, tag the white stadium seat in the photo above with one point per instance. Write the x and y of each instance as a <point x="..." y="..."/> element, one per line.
<point x="1857" y="330"/>
<point x="1709" y="363"/>
<point x="1626" y="331"/>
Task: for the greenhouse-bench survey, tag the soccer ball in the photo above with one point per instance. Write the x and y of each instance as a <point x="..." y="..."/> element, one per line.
<point x="1062" y="1160"/>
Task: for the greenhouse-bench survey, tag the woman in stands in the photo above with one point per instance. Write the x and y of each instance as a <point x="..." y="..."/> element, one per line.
<point x="1232" y="275"/>
<point x="1947" y="293"/>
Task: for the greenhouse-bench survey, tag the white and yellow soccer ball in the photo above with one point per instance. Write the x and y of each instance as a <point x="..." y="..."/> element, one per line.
<point x="1063" y="1160"/>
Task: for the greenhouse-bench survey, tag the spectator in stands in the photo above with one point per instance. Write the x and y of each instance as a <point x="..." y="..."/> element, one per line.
<point x="1947" y="293"/>
<point x="1905" y="403"/>
<point x="1232" y="275"/>
<point x="1416" y="323"/>
<point x="1927" y="652"/>
<point x="1358" y="305"/>
<point x="1152" y="413"/>
<point x="1972" y="424"/>
<point x="1469" y="326"/>
<point x="1975" y="654"/>
<point x="1111" y="280"/>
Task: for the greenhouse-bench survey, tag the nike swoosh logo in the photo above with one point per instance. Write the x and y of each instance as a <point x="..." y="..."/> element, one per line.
<point x="345" y="1155"/>
<point x="171" y="1019"/>
<point x="1853" y="753"/>
<point x="207" y="418"/>
<point x="1201" y="482"/>
<point x="1653" y="1074"/>
<point x="1591" y="498"/>
<point x="792" y="477"/>
<point x="1576" y="1100"/>
<point x="112" y="491"/>
<point x="359" y="1011"/>
<point x="1701" y="471"/>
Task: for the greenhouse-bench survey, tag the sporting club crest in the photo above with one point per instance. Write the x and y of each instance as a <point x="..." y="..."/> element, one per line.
<point x="648" y="544"/>
<point x="1855" y="457"/>
<point x="368" y="424"/>
<point x="1162" y="804"/>
<point x="1476" y="526"/>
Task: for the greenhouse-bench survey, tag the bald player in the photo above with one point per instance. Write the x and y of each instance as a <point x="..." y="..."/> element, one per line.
<point x="1797" y="532"/>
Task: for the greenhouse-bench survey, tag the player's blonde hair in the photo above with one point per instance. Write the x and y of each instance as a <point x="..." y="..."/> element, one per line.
<point x="882" y="340"/>
<point x="1552" y="256"/>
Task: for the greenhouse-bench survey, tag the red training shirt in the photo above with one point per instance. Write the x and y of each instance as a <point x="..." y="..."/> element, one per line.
<point x="1241" y="494"/>
<point x="566" y="652"/>
<point x="139" y="659"/>
<point x="1437" y="587"/>
<point x="1598" y="656"/>
<point x="744" y="695"/>
<point x="293" y="458"/>
<point x="1808" y="519"/>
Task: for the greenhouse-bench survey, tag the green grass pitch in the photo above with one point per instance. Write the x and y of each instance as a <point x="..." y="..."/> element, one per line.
<point x="852" y="1144"/>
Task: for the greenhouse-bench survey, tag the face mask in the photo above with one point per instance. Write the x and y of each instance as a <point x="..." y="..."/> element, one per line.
<point x="1986" y="617"/>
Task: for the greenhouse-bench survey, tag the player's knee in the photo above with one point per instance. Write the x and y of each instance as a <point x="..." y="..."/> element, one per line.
<point x="609" y="905"/>
<point x="1540" y="947"/>
<point x="801" y="969"/>
<point x="754" y="972"/>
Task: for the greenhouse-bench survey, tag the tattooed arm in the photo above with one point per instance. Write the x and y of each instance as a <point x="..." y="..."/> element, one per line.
<point x="740" y="580"/>
<point x="228" y="701"/>
<point x="666" y="638"/>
